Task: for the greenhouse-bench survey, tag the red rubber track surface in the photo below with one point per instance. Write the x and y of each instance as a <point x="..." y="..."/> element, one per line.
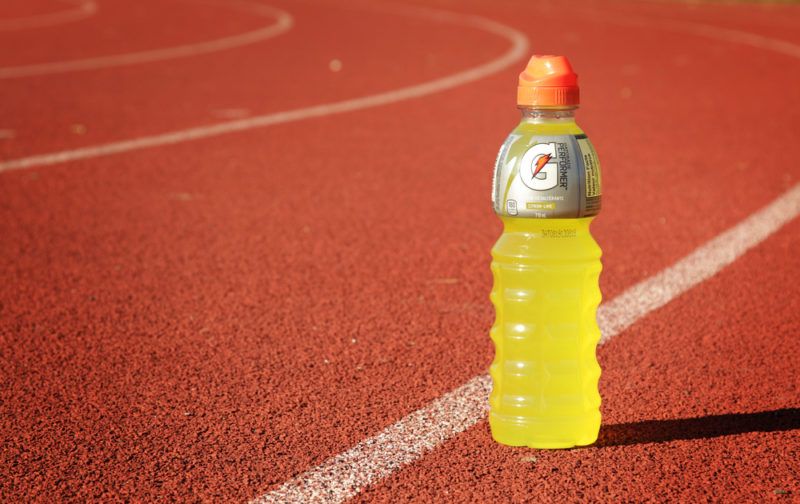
<point x="701" y="405"/>
<point x="205" y="320"/>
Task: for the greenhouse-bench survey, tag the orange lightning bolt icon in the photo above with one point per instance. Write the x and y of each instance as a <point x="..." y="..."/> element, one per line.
<point x="540" y="163"/>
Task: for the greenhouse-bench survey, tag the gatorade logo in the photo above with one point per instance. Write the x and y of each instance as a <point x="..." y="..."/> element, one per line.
<point x="539" y="168"/>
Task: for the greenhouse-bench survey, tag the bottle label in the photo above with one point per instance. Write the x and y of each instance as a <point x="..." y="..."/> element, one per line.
<point x="547" y="176"/>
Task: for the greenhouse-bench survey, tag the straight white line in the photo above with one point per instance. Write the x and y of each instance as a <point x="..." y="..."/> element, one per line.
<point x="82" y="9"/>
<point x="283" y="22"/>
<point x="345" y="475"/>
<point x="519" y="48"/>
<point x="705" y="262"/>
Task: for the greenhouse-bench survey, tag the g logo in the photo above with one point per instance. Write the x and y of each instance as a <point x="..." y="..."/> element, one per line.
<point x="538" y="169"/>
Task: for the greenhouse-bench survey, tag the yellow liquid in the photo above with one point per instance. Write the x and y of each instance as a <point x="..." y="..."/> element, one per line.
<point x="545" y="372"/>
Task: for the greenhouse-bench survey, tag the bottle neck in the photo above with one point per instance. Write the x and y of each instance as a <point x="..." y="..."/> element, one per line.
<point x="548" y="115"/>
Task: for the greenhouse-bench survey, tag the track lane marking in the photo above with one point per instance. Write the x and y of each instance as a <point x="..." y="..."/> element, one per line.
<point x="518" y="50"/>
<point x="283" y="22"/>
<point x="82" y="10"/>
<point x="699" y="29"/>
<point x="345" y="475"/>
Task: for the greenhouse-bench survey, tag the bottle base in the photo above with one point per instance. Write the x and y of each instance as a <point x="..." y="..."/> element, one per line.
<point x="548" y="434"/>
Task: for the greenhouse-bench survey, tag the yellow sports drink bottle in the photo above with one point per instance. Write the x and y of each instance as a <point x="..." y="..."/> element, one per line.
<point x="546" y="268"/>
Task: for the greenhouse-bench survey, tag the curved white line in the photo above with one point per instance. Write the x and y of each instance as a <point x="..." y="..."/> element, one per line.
<point x="518" y="49"/>
<point x="82" y="9"/>
<point x="700" y="30"/>
<point x="344" y="475"/>
<point x="283" y="23"/>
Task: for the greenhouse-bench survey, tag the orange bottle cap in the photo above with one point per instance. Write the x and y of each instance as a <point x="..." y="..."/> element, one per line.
<point x="548" y="81"/>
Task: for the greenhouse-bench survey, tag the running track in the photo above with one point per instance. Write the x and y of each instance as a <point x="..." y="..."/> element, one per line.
<point x="235" y="269"/>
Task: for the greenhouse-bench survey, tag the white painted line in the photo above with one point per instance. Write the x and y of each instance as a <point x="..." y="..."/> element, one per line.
<point x="82" y="9"/>
<point x="343" y="476"/>
<point x="736" y="36"/>
<point x="375" y="458"/>
<point x="518" y="50"/>
<point x="283" y="22"/>
<point x="705" y="262"/>
<point x="699" y="29"/>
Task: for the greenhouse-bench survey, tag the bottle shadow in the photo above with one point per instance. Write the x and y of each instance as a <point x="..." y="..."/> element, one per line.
<point x="660" y="431"/>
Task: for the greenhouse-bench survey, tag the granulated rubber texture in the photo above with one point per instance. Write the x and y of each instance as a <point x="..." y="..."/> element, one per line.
<point x="205" y="320"/>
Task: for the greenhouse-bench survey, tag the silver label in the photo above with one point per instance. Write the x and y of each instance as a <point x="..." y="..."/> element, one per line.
<point x="547" y="177"/>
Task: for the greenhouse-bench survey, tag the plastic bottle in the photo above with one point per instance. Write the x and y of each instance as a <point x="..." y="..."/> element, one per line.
<point x="546" y="268"/>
